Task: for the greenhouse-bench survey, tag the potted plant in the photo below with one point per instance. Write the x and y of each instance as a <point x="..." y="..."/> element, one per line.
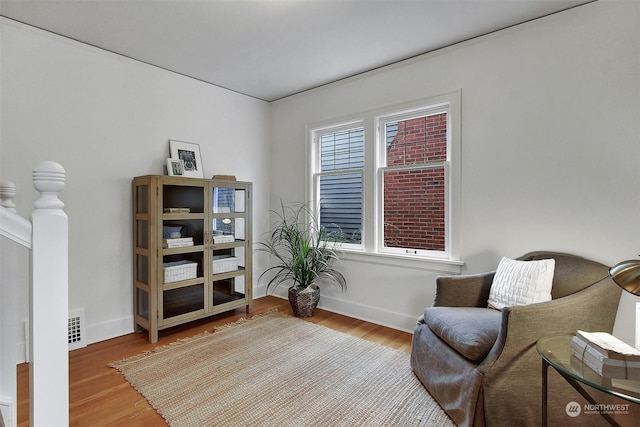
<point x="303" y="252"/>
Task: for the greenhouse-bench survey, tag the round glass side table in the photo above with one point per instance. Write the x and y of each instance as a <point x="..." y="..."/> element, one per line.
<point x="555" y="351"/>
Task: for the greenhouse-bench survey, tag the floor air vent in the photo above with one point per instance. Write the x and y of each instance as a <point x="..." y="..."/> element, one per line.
<point x="77" y="331"/>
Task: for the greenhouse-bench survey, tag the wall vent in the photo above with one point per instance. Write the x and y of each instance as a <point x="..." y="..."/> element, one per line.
<point x="77" y="330"/>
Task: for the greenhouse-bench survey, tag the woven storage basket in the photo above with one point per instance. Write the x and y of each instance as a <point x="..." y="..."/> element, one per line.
<point x="224" y="263"/>
<point x="179" y="270"/>
<point x="304" y="303"/>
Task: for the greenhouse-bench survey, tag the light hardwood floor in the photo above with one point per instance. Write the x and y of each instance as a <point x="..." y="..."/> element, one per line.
<point x="100" y="396"/>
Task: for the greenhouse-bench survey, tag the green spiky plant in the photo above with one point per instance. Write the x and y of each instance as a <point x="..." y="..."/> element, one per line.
<point x="303" y="250"/>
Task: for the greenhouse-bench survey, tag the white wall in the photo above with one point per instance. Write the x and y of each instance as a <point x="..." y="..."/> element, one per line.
<point x="106" y="119"/>
<point x="550" y="148"/>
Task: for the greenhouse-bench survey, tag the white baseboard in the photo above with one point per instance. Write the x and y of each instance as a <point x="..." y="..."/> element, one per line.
<point x="114" y="328"/>
<point x="21" y="351"/>
<point x="22" y="346"/>
<point x="118" y="327"/>
<point x="376" y="315"/>
<point x="97" y="332"/>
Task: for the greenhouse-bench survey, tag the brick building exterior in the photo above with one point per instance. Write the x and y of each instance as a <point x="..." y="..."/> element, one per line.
<point x="414" y="199"/>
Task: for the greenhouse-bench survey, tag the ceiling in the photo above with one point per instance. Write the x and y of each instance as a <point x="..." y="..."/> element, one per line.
<point x="270" y="49"/>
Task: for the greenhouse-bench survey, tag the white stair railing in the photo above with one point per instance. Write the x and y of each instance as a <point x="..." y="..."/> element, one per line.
<point x="17" y="229"/>
<point x="12" y="225"/>
<point x="47" y="237"/>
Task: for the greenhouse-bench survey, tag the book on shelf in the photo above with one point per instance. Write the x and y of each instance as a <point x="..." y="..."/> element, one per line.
<point x="181" y="242"/>
<point x="177" y="245"/>
<point x="223" y="238"/>
<point x="606" y="355"/>
<point x="224" y="177"/>
<point x="177" y="210"/>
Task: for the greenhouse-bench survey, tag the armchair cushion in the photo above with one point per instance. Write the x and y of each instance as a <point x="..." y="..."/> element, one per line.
<point x="470" y="331"/>
<point x="521" y="282"/>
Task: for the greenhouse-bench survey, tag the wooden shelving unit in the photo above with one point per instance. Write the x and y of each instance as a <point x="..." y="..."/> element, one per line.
<point x="216" y="215"/>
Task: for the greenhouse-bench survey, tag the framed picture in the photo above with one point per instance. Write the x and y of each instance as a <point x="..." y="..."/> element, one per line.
<point x="189" y="153"/>
<point x="175" y="167"/>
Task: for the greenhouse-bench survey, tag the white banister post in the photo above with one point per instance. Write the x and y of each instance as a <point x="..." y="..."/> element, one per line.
<point x="49" y="367"/>
<point x="8" y="318"/>
<point x="7" y="193"/>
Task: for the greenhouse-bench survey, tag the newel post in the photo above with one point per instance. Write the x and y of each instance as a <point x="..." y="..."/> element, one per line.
<point x="7" y="193"/>
<point x="49" y="367"/>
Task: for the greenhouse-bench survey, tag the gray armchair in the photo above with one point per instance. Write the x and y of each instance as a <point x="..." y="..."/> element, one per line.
<point x="481" y="364"/>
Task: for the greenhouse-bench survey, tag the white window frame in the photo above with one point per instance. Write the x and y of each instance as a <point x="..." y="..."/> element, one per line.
<point x="381" y="166"/>
<point x="371" y="250"/>
<point x="316" y="172"/>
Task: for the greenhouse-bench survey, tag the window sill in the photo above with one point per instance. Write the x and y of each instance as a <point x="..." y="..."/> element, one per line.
<point x="419" y="263"/>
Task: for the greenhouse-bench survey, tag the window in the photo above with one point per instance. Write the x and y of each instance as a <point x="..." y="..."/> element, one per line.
<point x="413" y="171"/>
<point x="338" y="181"/>
<point x="390" y="179"/>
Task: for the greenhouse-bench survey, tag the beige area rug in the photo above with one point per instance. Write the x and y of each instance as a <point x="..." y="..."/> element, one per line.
<point x="277" y="370"/>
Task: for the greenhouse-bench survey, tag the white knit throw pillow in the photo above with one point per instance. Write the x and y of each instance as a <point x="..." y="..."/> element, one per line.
<point x="521" y="282"/>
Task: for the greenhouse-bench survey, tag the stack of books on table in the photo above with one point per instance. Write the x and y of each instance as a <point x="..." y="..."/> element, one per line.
<point x="181" y="242"/>
<point x="606" y="355"/>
